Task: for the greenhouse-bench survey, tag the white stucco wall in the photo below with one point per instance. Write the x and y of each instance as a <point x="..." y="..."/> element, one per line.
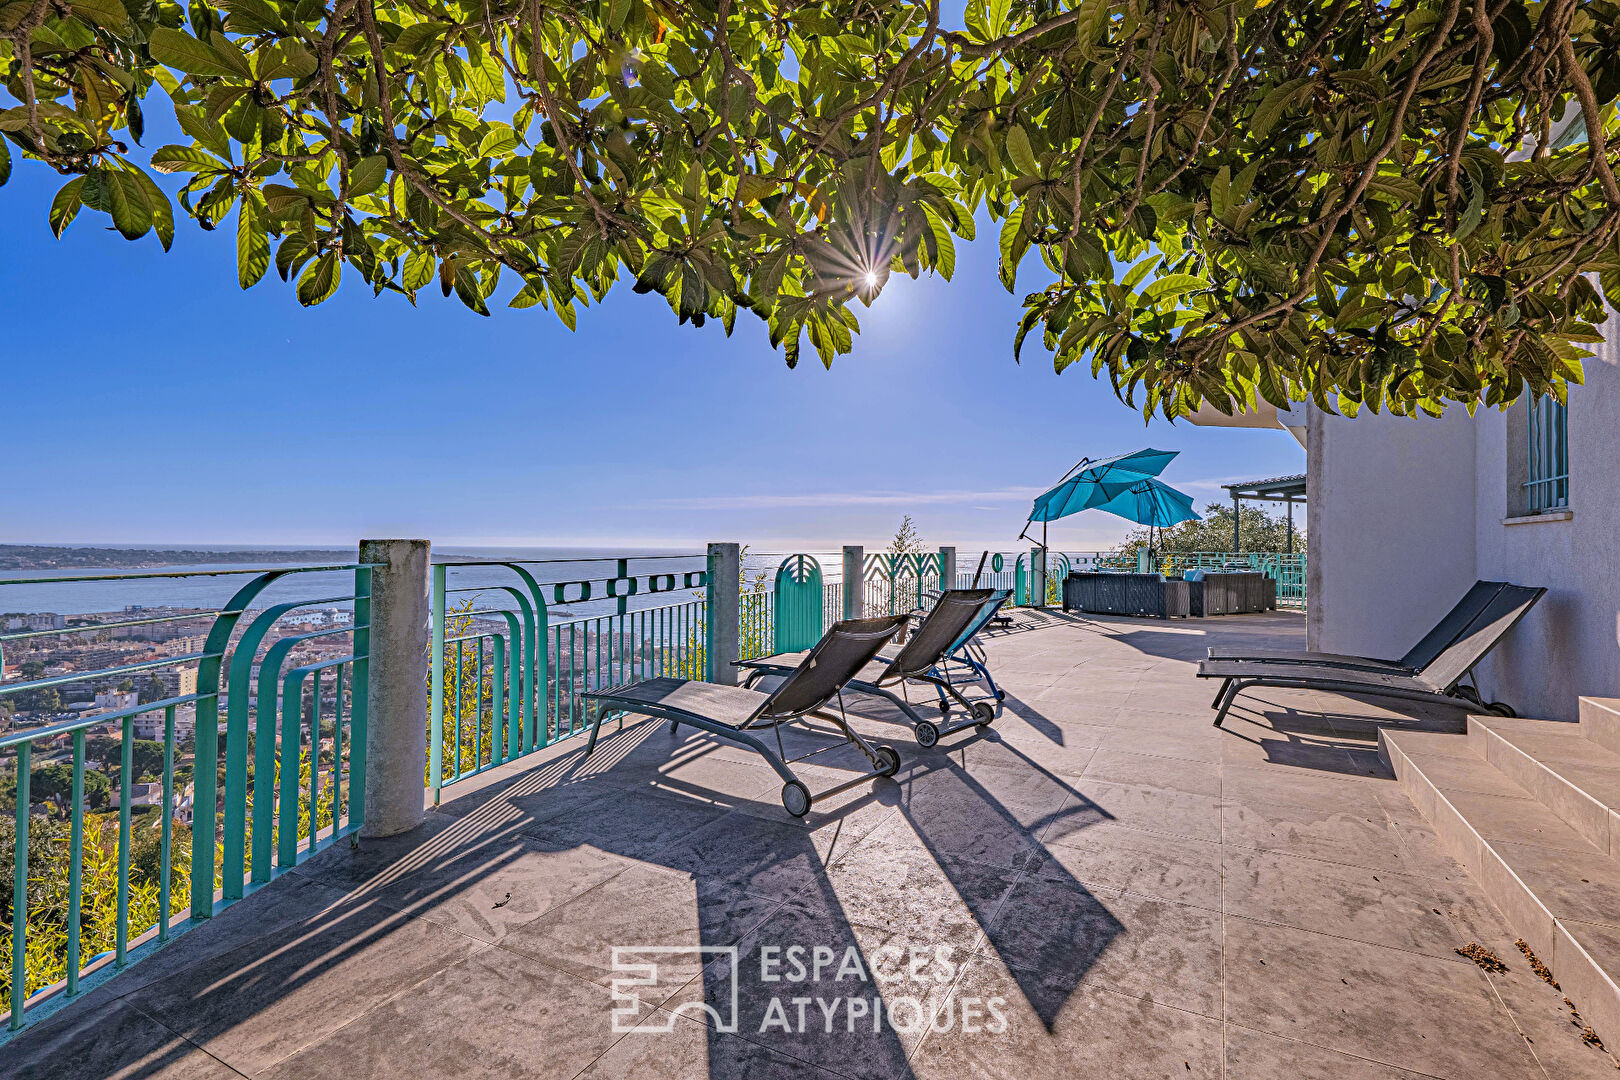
<point x="1569" y="644"/>
<point x="1391" y="528"/>
<point x="1405" y="514"/>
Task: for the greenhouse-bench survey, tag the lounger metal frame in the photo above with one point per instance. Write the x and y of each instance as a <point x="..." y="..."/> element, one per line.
<point x="797" y="798"/>
<point x="1477" y="639"/>
<point x="935" y="672"/>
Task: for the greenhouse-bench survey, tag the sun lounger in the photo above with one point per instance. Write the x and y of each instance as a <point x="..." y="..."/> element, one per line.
<point x="740" y="715"/>
<point x="943" y="635"/>
<point x="1419" y="656"/>
<point x="1439" y="680"/>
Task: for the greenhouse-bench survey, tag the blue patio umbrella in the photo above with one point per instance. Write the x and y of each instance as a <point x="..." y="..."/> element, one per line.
<point x="1079" y="489"/>
<point x="1126" y="485"/>
<point x="1149" y="502"/>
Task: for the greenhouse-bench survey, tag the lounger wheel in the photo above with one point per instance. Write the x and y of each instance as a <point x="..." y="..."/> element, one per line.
<point x="1501" y="708"/>
<point x="795" y="798"/>
<point x="890" y="758"/>
<point x="983" y="713"/>
<point x="927" y="733"/>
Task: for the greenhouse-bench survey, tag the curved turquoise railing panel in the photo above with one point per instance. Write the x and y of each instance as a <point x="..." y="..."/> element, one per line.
<point x="1020" y="583"/>
<point x="799" y="609"/>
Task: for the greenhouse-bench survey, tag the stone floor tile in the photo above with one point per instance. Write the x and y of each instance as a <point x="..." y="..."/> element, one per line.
<point x="1055" y="935"/>
<point x="1359" y="839"/>
<point x="1256" y="1054"/>
<point x="494" y="1015"/>
<point x="1130" y="767"/>
<point x="269" y="998"/>
<point x="1176" y="868"/>
<point x="1376" y="906"/>
<point x="114" y="1042"/>
<point x="1431" y="1015"/>
<point x="1084" y="1033"/>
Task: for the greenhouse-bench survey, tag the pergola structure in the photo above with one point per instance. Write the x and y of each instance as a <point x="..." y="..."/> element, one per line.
<point x="1283" y="489"/>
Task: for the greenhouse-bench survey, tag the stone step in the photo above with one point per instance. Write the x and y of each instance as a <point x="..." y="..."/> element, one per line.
<point x="1555" y="887"/>
<point x="1573" y="776"/>
<point x="1600" y="721"/>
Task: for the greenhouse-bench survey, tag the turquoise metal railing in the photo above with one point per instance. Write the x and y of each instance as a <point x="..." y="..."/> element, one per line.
<point x="799" y="601"/>
<point x="896" y="583"/>
<point x="591" y="654"/>
<point x="756" y="623"/>
<point x="74" y="888"/>
<point x="501" y="692"/>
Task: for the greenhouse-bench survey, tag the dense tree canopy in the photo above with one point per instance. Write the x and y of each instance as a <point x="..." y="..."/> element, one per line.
<point x="1390" y="204"/>
<point x="1213" y="532"/>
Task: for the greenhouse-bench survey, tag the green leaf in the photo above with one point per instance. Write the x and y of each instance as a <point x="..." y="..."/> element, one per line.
<point x="1090" y="24"/>
<point x="108" y="13"/>
<point x="368" y="175"/>
<point x="180" y="50"/>
<point x="162" y="211"/>
<point x="126" y="202"/>
<point x="419" y="267"/>
<point x="532" y="293"/>
<point x="1021" y="153"/>
<point x="320" y="279"/>
<point x="1013" y="245"/>
<point x="252" y="242"/>
<point x="996" y="16"/>
<point x="1134" y="276"/>
<point x="173" y="158"/>
<point x="944" y="247"/>
<point x="1220" y="193"/>
<point x="617" y="10"/>
<point x="65" y="207"/>
<point x="1172" y="286"/>
<point x="1272" y="106"/>
<point x="5" y="161"/>
<point x="469" y="290"/>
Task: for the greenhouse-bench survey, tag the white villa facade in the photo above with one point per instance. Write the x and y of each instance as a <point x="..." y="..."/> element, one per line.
<point x="1404" y="514"/>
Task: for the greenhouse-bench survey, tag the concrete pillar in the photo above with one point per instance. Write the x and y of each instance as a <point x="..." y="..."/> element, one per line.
<point x="397" y="709"/>
<point x="947" y="568"/>
<point x="1037" y="577"/>
<point x="854" y="581"/>
<point x="725" y="604"/>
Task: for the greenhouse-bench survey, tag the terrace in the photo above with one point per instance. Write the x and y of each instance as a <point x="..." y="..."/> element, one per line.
<point x="1101" y="883"/>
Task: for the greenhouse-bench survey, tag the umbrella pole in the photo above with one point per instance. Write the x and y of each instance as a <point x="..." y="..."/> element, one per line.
<point x="1043" y="564"/>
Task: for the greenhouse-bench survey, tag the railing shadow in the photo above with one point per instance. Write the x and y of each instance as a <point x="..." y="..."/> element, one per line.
<point x="241" y="994"/>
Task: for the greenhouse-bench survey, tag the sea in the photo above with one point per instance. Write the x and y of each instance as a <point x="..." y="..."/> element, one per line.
<point x="211" y="586"/>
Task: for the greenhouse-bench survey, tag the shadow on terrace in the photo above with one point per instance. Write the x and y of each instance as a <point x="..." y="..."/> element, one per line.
<point x="488" y="935"/>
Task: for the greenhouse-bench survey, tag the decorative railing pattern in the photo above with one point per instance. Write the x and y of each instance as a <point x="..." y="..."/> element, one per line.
<point x="510" y="656"/>
<point x="896" y="583"/>
<point x="494" y="696"/>
<point x="291" y="797"/>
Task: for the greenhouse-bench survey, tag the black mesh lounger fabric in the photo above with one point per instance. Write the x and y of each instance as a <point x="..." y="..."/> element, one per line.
<point x="842" y="652"/>
<point x="1444" y="634"/>
<point x="729" y="705"/>
<point x="926" y="648"/>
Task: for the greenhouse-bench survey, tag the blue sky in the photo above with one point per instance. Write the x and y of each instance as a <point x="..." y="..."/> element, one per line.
<point x="149" y="400"/>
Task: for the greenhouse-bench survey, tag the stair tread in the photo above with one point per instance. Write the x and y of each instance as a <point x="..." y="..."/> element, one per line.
<point x="1592" y="768"/>
<point x="1496" y="807"/>
<point x="1601" y="942"/>
<point x="1471" y="773"/>
<point x="1432" y="743"/>
<point x="1516" y="820"/>
<point x="1570" y="884"/>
